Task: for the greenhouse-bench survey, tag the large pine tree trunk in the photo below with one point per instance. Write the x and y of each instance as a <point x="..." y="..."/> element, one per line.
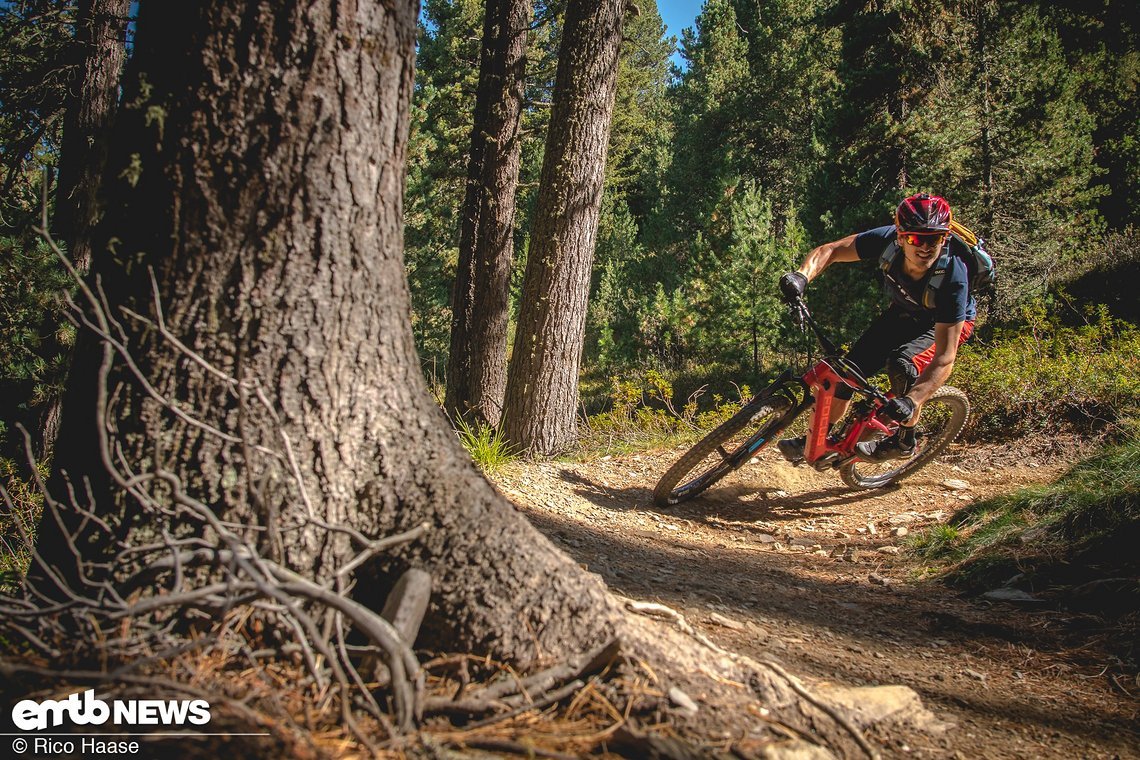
<point x="542" y="383"/>
<point x="282" y="388"/>
<point x="101" y="44"/>
<point x="268" y="201"/>
<point x="101" y="47"/>
<point x="477" y="361"/>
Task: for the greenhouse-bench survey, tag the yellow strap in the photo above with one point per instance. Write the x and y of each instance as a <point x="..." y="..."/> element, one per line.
<point x="966" y="236"/>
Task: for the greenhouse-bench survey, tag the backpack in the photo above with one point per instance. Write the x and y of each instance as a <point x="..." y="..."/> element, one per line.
<point x="979" y="264"/>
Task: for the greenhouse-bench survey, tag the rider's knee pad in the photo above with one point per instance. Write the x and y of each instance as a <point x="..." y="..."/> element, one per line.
<point x="902" y="373"/>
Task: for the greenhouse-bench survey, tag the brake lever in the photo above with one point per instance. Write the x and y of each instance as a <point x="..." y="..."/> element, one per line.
<point x="799" y="313"/>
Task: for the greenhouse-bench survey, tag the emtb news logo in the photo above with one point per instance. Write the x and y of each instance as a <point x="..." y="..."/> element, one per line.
<point x="86" y="710"/>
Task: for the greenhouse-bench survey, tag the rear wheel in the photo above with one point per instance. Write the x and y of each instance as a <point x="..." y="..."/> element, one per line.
<point x="943" y="417"/>
<point x="726" y="448"/>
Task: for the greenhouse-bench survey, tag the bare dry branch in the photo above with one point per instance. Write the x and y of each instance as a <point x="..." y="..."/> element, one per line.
<point x="140" y="599"/>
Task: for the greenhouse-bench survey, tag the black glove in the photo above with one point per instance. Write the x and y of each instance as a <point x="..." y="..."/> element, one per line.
<point x="899" y="409"/>
<point x="792" y="286"/>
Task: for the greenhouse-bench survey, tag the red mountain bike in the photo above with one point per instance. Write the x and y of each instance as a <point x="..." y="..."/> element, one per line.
<point x="772" y="410"/>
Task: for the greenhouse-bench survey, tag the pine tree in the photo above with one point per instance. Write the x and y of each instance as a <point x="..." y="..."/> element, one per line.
<point x="447" y="71"/>
<point x="1015" y="149"/>
<point x="36" y="63"/>
<point x="791" y="62"/>
<point x="477" y="359"/>
<point x="540" y="414"/>
<point x="636" y="164"/>
<point x="704" y="160"/>
<point x="101" y="51"/>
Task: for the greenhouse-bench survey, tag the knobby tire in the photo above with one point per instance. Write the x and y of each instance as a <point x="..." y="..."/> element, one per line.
<point x="955" y="405"/>
<point x="768" y="413"/>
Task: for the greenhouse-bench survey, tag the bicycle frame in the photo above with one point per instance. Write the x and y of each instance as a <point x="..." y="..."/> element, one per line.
<point x="770" y="412"/>
<point x="820" y="383"/>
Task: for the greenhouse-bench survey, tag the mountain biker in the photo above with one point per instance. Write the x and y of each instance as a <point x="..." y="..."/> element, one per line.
<point x="916" y="344"/>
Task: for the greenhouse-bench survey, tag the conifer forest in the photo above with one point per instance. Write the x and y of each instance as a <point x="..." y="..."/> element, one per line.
<point x="343" y="343"/>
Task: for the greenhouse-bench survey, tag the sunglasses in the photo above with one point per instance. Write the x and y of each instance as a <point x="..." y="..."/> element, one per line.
<point x="923" y="239"/>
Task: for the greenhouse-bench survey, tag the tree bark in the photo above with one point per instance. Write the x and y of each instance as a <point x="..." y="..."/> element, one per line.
<point x="267" y="200"/>
<point x="101" y="50"/>
<point x="256" y="284"/>
<point x="540" y="414"/>
<point x="101" y="44"/>
<point x="986" y="149"/>
<point x="477" y="360"/>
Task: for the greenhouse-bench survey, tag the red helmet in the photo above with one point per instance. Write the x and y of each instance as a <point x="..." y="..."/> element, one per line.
<point x="923" y="213"/>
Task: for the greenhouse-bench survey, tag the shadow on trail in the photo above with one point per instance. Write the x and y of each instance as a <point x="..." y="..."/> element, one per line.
<point x="826" y="615"/>
<point x="960" y="692"/>
<point x="734" y="502"/>
<point x="662" y="562"/>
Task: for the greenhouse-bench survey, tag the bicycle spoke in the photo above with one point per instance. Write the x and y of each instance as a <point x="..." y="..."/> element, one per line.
<point x="722" y="451"/>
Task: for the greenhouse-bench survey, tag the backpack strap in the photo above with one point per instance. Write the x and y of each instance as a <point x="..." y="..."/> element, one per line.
<point x="887" y="260"/>
<point x="979" y="265"/>
<point x="888" y="256"/>
<point x="935" y="281"/>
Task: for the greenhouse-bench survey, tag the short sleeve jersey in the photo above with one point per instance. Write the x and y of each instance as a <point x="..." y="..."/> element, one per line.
<point x="952" y="301"/>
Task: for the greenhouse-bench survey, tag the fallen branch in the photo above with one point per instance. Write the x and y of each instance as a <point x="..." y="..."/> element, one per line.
<point x="513" y="693"/>
<point x="555" y="696"/>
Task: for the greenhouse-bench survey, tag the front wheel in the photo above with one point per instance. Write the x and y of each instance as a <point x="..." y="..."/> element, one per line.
<point x="943" y="418"/>
<point x="726" y="448"/>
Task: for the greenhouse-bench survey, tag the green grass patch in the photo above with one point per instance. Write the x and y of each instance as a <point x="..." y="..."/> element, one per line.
<point x="486" y="446"/>
<point x="936" y="541"/>
<point x="1082" y="527"/>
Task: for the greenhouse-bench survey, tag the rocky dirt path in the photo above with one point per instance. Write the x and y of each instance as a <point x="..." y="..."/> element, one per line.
<point x="786" y="562"/>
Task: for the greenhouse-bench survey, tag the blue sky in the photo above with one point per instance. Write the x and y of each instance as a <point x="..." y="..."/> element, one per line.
<point x="678" y="14"/>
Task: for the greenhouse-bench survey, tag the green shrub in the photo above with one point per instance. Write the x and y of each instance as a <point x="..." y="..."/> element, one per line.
<point x="20" y="506"/>
<point x="35" y="338"/>
<point x="642" y="413"/>
<point x="1042" y="375"/>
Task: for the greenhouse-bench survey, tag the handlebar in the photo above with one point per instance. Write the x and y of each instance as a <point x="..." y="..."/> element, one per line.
<point x="803" y="316"/>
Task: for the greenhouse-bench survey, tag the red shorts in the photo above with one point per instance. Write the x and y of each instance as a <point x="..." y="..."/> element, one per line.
<point x="900" y="343"/>
<point x="923" y="358"/>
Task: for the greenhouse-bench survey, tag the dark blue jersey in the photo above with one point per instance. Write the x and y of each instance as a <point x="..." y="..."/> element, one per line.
<point x="953" y="301"/>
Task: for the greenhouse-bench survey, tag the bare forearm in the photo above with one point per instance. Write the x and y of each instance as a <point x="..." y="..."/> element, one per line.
<point x="820" y="258"/>
<point x="932" y="378"/>
<point x="816" y="261"/>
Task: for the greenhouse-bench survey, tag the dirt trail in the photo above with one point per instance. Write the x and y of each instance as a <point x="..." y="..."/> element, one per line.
<point x="790" y="563"/>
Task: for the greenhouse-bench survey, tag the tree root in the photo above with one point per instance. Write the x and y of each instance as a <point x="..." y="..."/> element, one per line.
<point x="661" y="612"/>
